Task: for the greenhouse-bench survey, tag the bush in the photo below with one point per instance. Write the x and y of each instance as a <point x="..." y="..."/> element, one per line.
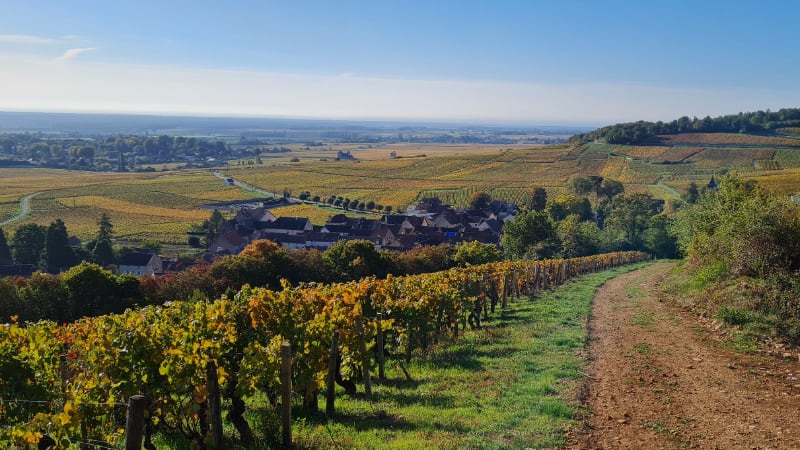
<point x="734" y="316"/>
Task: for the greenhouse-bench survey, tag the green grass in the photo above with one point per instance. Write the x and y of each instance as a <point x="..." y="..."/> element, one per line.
<point x="644" y="319"/>
<point x="642" y="348"/>
<point x="511" y="385"/>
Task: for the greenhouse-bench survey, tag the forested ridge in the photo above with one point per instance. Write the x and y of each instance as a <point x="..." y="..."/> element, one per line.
<point x="758" y="122"/>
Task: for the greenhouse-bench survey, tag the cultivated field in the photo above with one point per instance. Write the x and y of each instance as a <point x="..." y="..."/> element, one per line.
<point x="726" y="139"/>
<point x="162" y="206"/>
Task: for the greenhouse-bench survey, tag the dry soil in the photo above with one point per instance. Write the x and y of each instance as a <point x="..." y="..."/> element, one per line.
<point x="660" y="378"/>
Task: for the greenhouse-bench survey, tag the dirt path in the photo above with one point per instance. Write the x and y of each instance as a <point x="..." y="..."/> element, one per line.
<point x="658" y="379"/>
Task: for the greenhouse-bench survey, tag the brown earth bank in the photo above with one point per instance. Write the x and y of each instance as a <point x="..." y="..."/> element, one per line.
<point x="659" y="379"/>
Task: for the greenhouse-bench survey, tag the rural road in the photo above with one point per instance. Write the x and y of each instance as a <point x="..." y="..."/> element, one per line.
<point x="248" y="187"/>
<point x="661" y="378"/>
<point x="660" y="183"/>
<point x="25" y="203"/>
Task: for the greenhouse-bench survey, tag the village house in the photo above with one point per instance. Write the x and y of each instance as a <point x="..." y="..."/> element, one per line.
<point x="229" y="242"/>
<point x="427" y="223"/>
<point x="287" y="225"/>
<point x="141" y="264"/>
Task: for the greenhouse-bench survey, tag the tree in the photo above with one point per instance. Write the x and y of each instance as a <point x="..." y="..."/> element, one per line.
<point x="352" y="260"/>
<point x="212" y="226"/>
<point x="538" y="199"/>
<point x="480" y="200"/>
<point x="565" y="205"/>
<point x="306" y="265"/>
<point x="45" y="298"/>
<point x="475" y="253"/>
<point x="10" y="304"/>
<point x="105" y="228"/>
<point x="692" y="193"/>
<point x="631" y="217"/>
<point x="58" y="252"/>
<point x="103" y="252"/>
<point x="91" y="290"/>
<point x="194" y="242"/>
<point x="578" y="237"/>
<point x="29" y="243"/>
<point x="610" y="188"/>
<point x="5" y="252"/>
<point x="580" y="185"/>
<point x="658" y="239"/>
<point x="746" y="229"/>
<point x="529" y="235"/>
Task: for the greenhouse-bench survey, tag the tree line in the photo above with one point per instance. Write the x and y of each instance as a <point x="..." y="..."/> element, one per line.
<point x="89" y="289"/>
<point x="121" y="152"/>
<point x="594" y="216"/>
<point x="758" y="122"/>
<point x="49" y="247"/>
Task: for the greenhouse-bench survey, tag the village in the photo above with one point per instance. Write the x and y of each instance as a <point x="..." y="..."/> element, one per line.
<point x="429" y="222"/>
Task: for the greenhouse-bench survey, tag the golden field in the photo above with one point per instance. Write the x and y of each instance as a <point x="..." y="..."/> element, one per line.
<point x="163" y="206"/>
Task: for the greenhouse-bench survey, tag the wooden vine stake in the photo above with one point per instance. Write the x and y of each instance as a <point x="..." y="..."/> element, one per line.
<point x="134" y="424"/>
<point x="504" y="302"/>
<point x="381" y="359"/>
<point x="286" y="393"/>
<point x="362" y="343"/>
<point x="333" y="361"/>
<point x="515" y="286"/>
<point x="214" y="404"/>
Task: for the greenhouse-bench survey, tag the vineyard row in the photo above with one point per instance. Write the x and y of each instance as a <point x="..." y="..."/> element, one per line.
<point x="78" y="373"/>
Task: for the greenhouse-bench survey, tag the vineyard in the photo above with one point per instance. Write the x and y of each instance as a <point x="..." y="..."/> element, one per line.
<point x="70" y="382"/>
<point x="730" y="139"/>
<point x="316" y="214"/>
<point x="163" y="206"/>
<point x="141" y="206"/>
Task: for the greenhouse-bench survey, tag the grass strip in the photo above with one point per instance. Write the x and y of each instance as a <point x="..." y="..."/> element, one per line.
<point x="511" y="385"/>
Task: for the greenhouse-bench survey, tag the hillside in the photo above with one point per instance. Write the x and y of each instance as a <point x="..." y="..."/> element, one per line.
<point x="663" y="166"/>
<point x="759" y="122"/>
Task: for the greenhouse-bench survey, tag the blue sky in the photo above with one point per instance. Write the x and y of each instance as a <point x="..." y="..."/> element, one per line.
<point x="532" y="62"/>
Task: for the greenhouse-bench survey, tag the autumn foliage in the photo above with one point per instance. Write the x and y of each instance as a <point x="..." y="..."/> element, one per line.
<point x="82" y="372"/>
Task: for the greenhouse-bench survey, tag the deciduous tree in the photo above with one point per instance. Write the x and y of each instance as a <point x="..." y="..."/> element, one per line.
<point x="476" y="253"/>
<point x="529" y="235"/>
<point x="28" y="244"/>
<point x="480" y="200"/>
<point x="538" y="199"/>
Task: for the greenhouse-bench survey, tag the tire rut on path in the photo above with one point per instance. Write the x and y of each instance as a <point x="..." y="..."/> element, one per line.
<point x="658" y="379"/>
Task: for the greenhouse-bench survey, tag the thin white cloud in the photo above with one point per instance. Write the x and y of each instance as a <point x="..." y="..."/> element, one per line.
<point x="25" y="39"/>
<point x="72" y="53"/>
<point x="95" y="87"/>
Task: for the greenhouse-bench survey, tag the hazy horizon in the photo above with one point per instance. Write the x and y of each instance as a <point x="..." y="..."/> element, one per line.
<point x="572" y="62"/>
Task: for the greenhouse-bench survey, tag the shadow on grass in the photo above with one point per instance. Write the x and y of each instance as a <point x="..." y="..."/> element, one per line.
<point x="376" y="418"/>
<point x="469" y="357"/>
<point x="411" y="398"/>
